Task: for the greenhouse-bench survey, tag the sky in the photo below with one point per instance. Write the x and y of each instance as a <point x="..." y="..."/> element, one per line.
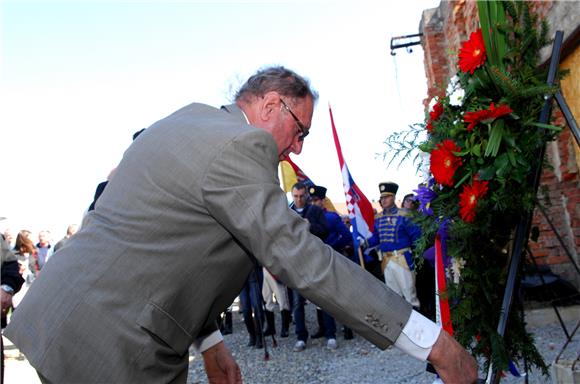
<point x="78" y="78"/>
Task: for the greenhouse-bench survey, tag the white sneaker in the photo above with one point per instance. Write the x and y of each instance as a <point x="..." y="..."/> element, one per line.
<point x="299" y="346"/>
<point x="331" y="344"/>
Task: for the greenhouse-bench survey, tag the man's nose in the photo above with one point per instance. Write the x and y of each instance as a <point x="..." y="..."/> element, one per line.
<point x="297" y="146"/>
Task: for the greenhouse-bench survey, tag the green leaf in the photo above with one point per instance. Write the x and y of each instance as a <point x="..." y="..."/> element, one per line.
<point x="476" y="150"/>
<point x="495" y="136"/>
<point x="510" y="140"/>
<point x="487" y="173"/>
<point x="546" y="126"/>
<point x="492" y="15"/>
<point x="460" y="182"/>
<point x="502" y="164"/>
<point x="501" y="161"/>
<point x="485" y="22"/>
<point x="512" y="158"/>
<point x="462" y="153"/>
<point x="504" y="171"/>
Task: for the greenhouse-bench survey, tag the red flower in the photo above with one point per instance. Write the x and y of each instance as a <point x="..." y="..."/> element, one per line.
<point x="444" y="163"/>
<point x="436" y="112"/>
<point x="468" y="199"/>
<point x="434" y="115"/>
<point x="472" y="53"/>
<point x="486" y="115"/>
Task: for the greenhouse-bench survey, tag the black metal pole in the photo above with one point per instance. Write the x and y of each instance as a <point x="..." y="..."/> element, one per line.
<point x="523" y="228"/>
<point x="568" y="116"/>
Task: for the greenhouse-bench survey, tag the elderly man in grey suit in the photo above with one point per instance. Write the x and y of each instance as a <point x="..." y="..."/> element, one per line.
<point x="120" y="306"/>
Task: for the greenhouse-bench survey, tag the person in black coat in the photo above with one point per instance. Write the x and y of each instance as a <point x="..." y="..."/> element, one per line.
<point x="318" y="227"/>
<point x="11" y="283"/>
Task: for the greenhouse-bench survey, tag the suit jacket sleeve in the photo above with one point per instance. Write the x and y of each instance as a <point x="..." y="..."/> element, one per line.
<point x="241" y="191"/>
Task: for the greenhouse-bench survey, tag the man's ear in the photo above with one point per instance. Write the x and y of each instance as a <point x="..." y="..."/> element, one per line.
<point x="270" y="103"/>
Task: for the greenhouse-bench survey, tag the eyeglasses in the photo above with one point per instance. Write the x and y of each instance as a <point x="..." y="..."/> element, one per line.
<point x="303" y="131"/>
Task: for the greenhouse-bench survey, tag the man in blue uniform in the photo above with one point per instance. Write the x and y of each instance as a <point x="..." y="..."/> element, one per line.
<point x="395" y="235"/>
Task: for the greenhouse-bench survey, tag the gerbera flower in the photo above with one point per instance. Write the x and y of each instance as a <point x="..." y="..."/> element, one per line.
<point x="469" y="197"/>
<point x="486" y="115"/>
<point x="434" y="115"/>
<point x="444" y="163"/>
<point x="436" y="112"/>
<point x="472" y="53"/>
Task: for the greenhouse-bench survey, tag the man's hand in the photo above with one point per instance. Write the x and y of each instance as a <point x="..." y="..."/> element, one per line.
<point x="220" y="365"/>
<point x="452" y="362"/>
<point x="362" y="242"/>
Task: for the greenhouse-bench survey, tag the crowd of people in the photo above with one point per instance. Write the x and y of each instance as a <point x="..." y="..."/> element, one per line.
<point x="389" y="256"/>
<point x="204" y="180"/>
<point x="263" y="293"/>
<point x="22" y="260"/>
<point x="32" y="253"/>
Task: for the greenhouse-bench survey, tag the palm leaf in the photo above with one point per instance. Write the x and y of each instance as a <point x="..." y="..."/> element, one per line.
<point x="492" y="15"/>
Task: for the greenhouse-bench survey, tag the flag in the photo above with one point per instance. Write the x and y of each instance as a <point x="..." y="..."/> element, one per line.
<point x="292" y="174"/>
<point x="360" y="210"/>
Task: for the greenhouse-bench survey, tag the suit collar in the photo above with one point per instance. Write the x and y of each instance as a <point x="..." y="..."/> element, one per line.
<point x="234" y="110"/>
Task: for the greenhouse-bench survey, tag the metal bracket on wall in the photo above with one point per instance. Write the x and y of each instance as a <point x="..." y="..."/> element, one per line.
<point x="406" y="41"/>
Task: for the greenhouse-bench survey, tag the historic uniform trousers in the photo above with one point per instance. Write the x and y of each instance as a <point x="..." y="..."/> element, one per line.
<point x="395" y="234"/>
<point x="272" y="287"/>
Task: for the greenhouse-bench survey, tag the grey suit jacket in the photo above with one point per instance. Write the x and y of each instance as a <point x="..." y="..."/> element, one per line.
<point x="169" y="246"/>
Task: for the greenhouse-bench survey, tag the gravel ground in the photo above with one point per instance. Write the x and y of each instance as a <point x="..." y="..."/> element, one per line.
<point x="355" y="361"/>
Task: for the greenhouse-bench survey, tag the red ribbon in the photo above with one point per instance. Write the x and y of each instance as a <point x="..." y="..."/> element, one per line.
<point x="443" y="307"/>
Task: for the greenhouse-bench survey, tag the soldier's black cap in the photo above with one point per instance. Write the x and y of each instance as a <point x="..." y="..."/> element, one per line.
<point x="317" y="191"/>
<point x="388" y="188"/>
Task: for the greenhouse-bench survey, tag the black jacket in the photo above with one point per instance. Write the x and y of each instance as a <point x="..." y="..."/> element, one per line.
<point x="315" y="215"/>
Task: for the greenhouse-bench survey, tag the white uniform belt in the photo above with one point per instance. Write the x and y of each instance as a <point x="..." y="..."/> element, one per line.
<point x="397" y="252"/>
<point x="397" y="256"/>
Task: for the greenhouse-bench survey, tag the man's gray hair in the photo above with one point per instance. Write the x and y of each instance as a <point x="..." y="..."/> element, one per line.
<point x="279" y="79"/>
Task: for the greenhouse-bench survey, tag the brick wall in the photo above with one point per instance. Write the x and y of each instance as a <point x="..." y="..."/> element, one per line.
<point x="563" y="185"/>
<point x="444" y="28"/>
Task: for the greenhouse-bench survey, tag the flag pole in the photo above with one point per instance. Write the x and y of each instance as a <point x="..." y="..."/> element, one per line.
<point x="361" y="258"/>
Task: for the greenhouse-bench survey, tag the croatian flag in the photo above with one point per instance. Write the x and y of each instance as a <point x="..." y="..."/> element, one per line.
<point x="360" y="210"/>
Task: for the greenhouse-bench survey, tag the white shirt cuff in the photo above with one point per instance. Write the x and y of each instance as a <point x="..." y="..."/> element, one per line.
<point x="418" y="336"/>
<point x="204" y="343"/>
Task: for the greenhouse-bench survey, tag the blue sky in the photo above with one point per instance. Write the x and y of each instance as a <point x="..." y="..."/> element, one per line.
<point x="77" y="78"/>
